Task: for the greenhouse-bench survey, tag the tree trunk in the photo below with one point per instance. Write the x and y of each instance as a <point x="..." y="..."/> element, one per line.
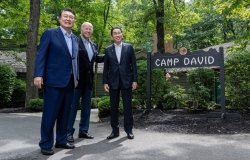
<point x="31" y="90"/>
<point x="159" y="12"/>
<point x="105" y="20"/>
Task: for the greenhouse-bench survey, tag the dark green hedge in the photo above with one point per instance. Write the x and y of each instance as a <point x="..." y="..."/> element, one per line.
<point x="7" y="83"/>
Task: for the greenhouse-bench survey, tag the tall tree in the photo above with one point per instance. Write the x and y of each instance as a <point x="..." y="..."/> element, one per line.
<point x="221" y="21"/>
<point x="106" y="8"/>
<point x="31" y="90"/>
<point x="14" y="20"/>
<point x="159" y="13"/>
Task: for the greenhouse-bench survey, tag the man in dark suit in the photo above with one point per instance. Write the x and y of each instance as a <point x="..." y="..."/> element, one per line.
<point x="57" y="71"/>
<point x="87" y="56"/>
<point x="120" y="76"/>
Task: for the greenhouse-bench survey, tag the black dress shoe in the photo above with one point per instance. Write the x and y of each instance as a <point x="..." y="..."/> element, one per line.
<point x="130" y="135"/>
<point x="85" y="135"/>
<point x="70" y="139"/>
<point x="65" y="146"/>
<point x="113" y="135"/>
<point x="47" y="151"/>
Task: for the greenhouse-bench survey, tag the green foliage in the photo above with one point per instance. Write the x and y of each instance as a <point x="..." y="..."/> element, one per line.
<point x="14" y="18"/>
<point x="176" y="97"/>
<point x="159" y="87"/>
<point x="135" y="103"/>
<point x="18" y="95"/>
<point x="137" y="17"/>
<point x="140" y="93"/>
<point x="95" y="101"/>
<point x="164" y="94"/>
<point x="222" y="21"/>
<point x="201" y="82"/>
<point x="104" y="107"/>
<point x="36" y="105"/>
<point x="7" y="82"/>
<point x="237" y="71"/>
<point x="216" y="21"/>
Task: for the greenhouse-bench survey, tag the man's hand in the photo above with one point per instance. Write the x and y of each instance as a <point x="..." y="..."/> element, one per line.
<point x="134" y="86"/>
<point x="106" y="87"/>
<point x="38" y="82"/>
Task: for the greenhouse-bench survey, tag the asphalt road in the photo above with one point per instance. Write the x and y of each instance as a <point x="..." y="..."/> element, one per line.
<point x="19" y="137"/>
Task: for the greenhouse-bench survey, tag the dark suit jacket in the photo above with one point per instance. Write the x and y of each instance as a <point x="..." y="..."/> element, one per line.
<point x="86" y="73"/>
<point x="54" y="62"/>
<point x="120" y="75"/>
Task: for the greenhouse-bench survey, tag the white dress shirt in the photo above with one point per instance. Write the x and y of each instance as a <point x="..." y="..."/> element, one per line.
<point x="67" y="37"/>
<point x="118" y="51"/>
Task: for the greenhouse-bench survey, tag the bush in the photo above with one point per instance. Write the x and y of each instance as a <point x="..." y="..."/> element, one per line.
<point x="237" y="81"/>
<point x="201" y="82"/>
<point x="140" y="93"/>
<point x="135" y="103"/>
<point x="159" y="85"/>
<point x="175" y="98"/>
<point x="18" y="95"/>
<point x="36" y="105"/>
<point x="94" y="102"/>
<point x="104" y="107"/>
<point x="7" y="82"/>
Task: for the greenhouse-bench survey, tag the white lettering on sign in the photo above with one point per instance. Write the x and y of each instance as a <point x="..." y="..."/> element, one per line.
<point x="198" y="61"/>
<point x="166" y="62"/>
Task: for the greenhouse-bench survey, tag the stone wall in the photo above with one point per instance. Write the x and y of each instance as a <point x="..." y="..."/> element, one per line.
<point x="16" y="59"/>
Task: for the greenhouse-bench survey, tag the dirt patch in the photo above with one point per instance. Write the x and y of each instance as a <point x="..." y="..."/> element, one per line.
<point x="181" y="121"/>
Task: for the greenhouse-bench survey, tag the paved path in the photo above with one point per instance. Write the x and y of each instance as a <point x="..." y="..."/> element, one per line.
<point x="19" y="136"/>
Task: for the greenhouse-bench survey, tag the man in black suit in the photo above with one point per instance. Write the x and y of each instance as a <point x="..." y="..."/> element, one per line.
<point x="87" y="56"/>
<point x="120" y="76"/>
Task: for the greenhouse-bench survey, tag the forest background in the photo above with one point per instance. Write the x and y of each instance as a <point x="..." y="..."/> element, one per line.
<point x="170" y="24"/>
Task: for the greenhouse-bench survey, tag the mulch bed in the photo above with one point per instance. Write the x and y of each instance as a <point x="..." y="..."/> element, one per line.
<point x="182" y="121"/>
<point x="179" y="121"/>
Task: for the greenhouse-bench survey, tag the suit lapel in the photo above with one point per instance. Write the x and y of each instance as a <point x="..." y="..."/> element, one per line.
<point x="62" y="39"/>
<point x="74" y="46"/>
<point x="94" y="51"/>
<point x="113" y="53"/>
<point x="75" y="61"/>
<point x="123" y="51"/>
<point x="82" y="46"/>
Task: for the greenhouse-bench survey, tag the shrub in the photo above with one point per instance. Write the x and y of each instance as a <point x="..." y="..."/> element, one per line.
<point x="36" y="104"/>
<point x="140" y="93"/>
<point x="237" y="81"/>
<point x="201" y="82"/>
<point x="176" y="97"/>
<point x="159" y="85"/>
<point x="104" y="106"/>
<point x="7" y="82"/>
<point x="94" y="102"/>
<point x="18" y="95"/>
<point x="135" y="103"/>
